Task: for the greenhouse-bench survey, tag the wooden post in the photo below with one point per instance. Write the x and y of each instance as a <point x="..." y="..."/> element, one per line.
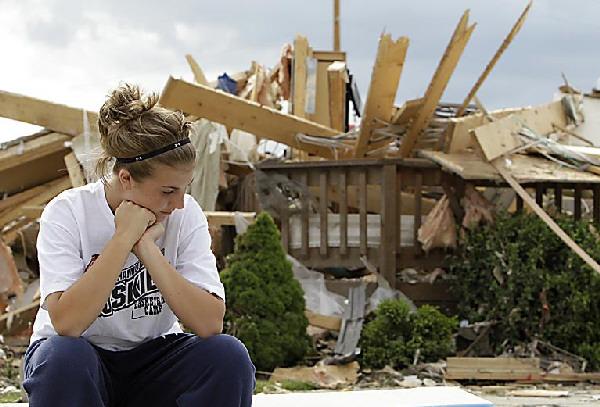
<point x="336" y="25"/>
<point x="196" y="70"/>
<point x="438" y="83"/>
<point x="387" y="244"/>
<point x="337" y="77"/>
<point x="343" y="203"/>
<point x="511" y="35"/>
<point x="382" y="90"/>
<point x="323" y="213"/>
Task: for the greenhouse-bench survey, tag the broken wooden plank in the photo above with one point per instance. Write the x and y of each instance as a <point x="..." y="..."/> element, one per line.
<point x="382" y="89"/>
<point x="337" y="78"/>
<point x="323" y="321"/>
<point x="538" y="393"/>
<point x="511" y="35"/>
<point x="460" y="137"/>
<point x="407" y="112"/>
<point x="524" y="369"/>
<point x="21" y="197"/>
<point x="501" y="136"/>
<point x="299" y="76"/>
<point x="32" y="150"/>
<point x="53" y="116"/>
<point x="438" y="83"/>
<point x="234" y="112"/>
<point x="75" y="172"/>
<point x="196" y="70"/>
<point x="51" y="189"/>
<point x="544" y="216"/>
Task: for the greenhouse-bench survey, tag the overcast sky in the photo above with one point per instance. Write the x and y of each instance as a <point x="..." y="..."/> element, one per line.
<point x="74" y="52"/>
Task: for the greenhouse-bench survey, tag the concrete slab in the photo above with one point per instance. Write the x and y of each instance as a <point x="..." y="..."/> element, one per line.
<point x="443" y="396"/>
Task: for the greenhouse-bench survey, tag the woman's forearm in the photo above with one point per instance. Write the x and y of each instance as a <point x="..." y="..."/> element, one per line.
<point x="196" y="308"/>
<point x="75" y="309"/>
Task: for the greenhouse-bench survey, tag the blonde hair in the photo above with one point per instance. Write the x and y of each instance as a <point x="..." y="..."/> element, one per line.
<point x="131" y="124"/>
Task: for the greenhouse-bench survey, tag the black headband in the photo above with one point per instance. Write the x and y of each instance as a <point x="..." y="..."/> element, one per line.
<point x="154" y="153"/>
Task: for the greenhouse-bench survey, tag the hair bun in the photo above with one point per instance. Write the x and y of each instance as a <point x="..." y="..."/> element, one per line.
<point x="124" y="104"/>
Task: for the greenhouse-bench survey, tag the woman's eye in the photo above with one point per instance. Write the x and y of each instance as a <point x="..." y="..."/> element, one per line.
<point x="167" y="192"/>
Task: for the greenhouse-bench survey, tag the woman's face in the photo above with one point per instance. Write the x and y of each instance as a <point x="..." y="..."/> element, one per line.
<point x="160" y="193"/>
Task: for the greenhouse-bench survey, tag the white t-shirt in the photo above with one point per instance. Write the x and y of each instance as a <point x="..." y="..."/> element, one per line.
<point x="74" y="229"/>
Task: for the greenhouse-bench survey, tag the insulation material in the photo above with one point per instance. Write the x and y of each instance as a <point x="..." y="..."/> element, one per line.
<point x="207" y="138"/>
<point x="439" y="229"/>
<point x="316" y="295"/>
<point x="242" y="146"/>
<point x="478" y="210"/>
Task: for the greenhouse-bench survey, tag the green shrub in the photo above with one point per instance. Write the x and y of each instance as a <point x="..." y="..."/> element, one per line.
<point x="521" y="275"/>
<point x="394" y="334"/>
<point x="265" y="304"/>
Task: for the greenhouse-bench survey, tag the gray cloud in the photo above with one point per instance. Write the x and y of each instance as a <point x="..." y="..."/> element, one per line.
<point x="558" y="36"/>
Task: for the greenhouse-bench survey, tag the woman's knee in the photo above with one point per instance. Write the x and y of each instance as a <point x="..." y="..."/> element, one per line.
<point x="231" y="354"/>
<point x="63" y="355"/>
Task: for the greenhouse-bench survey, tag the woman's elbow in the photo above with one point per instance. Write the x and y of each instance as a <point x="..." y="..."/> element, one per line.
<point x="66" y="330"/>
<point x="206" y="330"/>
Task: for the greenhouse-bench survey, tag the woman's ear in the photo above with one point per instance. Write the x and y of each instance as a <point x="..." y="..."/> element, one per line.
<point x="125" y="179"/>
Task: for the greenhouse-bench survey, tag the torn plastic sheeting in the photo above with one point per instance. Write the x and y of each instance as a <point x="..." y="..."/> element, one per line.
<point x="318" y="298"/>
<point x="385" y="292"/>
<point x="207" y="137"/>
<point x="86" y="147"/>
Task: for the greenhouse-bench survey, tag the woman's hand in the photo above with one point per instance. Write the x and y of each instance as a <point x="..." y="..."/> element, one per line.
<point x="132" y="221"/>
<point x="149" y="237"/>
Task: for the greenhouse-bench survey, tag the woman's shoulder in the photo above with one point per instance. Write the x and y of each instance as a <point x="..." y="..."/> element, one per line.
<point x="65" y="203"/>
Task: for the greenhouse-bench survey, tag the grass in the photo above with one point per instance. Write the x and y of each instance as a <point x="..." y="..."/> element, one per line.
<point x="10" y="397"/>
<point x="289" y="385"/>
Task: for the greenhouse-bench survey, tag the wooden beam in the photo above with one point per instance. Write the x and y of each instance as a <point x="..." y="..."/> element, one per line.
<point x="53" y="116"/>
<point x="511" y="35"/>
<point x="405" y="113"/>
<point x="52" y="189"/>
<point x="328" y="56"/>
<point x="32" y="150"/>
<point x="337" y="78"/>
<point x="75" y="172"/>
<point x="459" y="129"/>
<point x="438" y="84"/>
<point x="336" y="25"/>
<point x="525" y="369"/>
<point x="222" y="218"/>
<point x="544" y="216"/>
<point x="299" y="76"/>
<point x="237" y="113"/>
<point x="21" y="197"/>
<point x="501" y="136"/>
<point x="196" y="70"/>
<point x="382" y="90"/>
<point x="323" y="321"/>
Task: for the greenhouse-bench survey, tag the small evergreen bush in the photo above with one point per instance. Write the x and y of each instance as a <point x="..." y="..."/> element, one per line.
<point x="394" y="334"/>
<point x="265" y="304"/>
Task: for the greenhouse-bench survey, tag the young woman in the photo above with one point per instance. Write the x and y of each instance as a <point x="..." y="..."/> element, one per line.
<point x="122" y="261"/>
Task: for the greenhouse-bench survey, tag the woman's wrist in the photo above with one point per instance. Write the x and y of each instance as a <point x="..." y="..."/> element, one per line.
<point x="124" y="239"/>
<point x="144" y="247"/>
